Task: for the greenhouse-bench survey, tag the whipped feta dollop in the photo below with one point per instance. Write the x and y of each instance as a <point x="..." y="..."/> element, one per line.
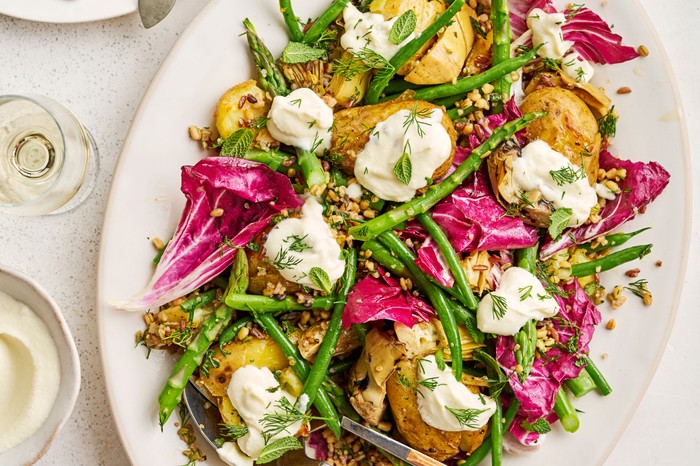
<point x="546" y="29"/>
<point x="520" y="297"/>
<point x="301" y="119"/>
<point x="255" y="393"/>
<point x="30" y="372"/>
<point x="562" y="183"/>
<point x="297" y="245"/>
<point x="418" y="135"/>
<point x="575" y="67"/>
<point x="233" y="456"/>
<point x="369" y="31"/>
<point x="447" y="404"/>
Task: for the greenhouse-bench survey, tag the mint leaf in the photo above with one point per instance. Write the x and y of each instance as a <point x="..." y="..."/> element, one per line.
<point x="402" y="27"/>
<point x="238" y="143"/>
<point x="540" y="426"/>
<point x="558" y="221"/>
<point x="320" y="278"/>
<point x="403" y="169"/>
<point x="278" y="448"/>
<point x="296" y="52"/>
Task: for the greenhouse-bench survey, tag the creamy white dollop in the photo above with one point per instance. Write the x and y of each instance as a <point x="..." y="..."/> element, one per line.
<point x="301" y="119"/>
<point x="546" y="29"/>
<point x="30" y="372"/>
<point x="369" y="30"/>
<point x="297" y="245"/>
<point x="519" y="297"/>
<point x="418" y="134"/>
<point x="254" y="393"/>
<point x="447" y="404"/>
<point x="575" y="67"/>
<point x="560" y="182"/>
<point x="233" y="456"/>
<point x="354" y="191"/>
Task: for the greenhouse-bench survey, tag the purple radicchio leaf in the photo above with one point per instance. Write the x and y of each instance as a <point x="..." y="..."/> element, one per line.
<point x="249" y="195"/>
<point x="520" y="10"/>
<point x="592" y="37"/>
<point x="574" y="326"/>
<point x="594" y="40"/>
<point x="382" y="298"/>
<point x="643" y="183"/>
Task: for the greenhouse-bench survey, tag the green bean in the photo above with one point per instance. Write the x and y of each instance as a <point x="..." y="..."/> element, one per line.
<point x="453" y="263"/>
<point x="566" y="412"/>
<point x="598" y="378"/>
<point x="448" y="102"/>
<point x="459" y="112"/>
<point x="437" y="192"/>
<point x="341" y="366"/>
<point x="263" y="304"/>
<point x="378" y="84"/>
<point x="232" y="330"/>
<point x="291" y="20"/>
<point x="610" y="261"/>
<point x="319" y="26"/>
<point x="617" y="239"/>
<point x="383" y="257"/>
<point x="500" y="21"/>
<point x="437" y="298"/>
<point x="469" y="83"/>
<point x="330" y="339"/>
<point x="301" y="367"/>
<point x="340" y="399"/>
<point x="483" y="450"/>
<point x="192" y="358"/>
<point x="400" y="85"/>
<point x="580" y="385"/>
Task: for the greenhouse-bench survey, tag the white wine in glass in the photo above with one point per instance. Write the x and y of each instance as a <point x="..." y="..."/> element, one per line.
<point x="48" y="160"/>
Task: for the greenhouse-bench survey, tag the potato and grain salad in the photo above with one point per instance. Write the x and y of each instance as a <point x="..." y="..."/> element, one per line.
<point x="402" y="220"/>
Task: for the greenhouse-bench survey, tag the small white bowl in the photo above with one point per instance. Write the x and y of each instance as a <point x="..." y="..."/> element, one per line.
<point x="24" y="289"/>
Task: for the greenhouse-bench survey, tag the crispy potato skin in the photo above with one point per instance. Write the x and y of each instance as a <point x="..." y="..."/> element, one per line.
<point x="404" y="405"/>
<point x="261" y="352"/>
<point x="262" y="271"/>
<point x="353" y="126"/>
<point x="235" y="107"/>
<point x="569" y="126"/>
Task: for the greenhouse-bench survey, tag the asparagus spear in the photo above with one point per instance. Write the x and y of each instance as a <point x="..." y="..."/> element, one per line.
<point x="316" y="30"/>
<point x="195" y="351"/>
<point x="501" y="50"/>
<point x="526" y="338"/>
<point x="271" y="77"/>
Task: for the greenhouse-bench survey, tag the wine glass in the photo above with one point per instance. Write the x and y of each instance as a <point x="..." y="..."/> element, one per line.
<point x="48" y="160"/>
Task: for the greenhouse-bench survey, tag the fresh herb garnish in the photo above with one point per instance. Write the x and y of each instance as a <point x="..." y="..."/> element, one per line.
<point x="607" y="126"/>
<point x="320" y="278"/>
<point x="466" y="417"/>
<point x="238" y="143"/>
<point x="638" y="288"/>
<point x="297" y="243"/>
<point x="403" y="27"/>
<point x="232" y="431"/>
<point x="414" y="117"/>
<point x="297" y="52"/>
<point x="403" y="169"/>
<point x="540" y="426"/>
<point x="278" y="448"/>
<point x="499" y="306"/>
<point x="284" y="260"/>
<point x="476" y="25"/>
<point x="431" y="383"/>
<point x="525" y="292"/>
<point x="558" y="221"/>
<point x="567" y="175"/>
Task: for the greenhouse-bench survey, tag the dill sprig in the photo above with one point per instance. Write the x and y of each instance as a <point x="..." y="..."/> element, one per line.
<point x="431" y="383"/>
<point x="607" y="126"/>
<point x="297" y="243"/>
<point x="500" y="305"/>
<point x="414" y="117"/>
<point x="281" y="419"/>
<point x="638" y="288"/>
<point x="567" y="175"/>
<point x="525" y="292"/>
<point x="233" y="431"/>
<point x="284" y="260"/>
<point x="466" y="417"/>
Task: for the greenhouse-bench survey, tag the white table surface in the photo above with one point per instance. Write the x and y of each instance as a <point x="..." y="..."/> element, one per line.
<point x="101" y="70"/>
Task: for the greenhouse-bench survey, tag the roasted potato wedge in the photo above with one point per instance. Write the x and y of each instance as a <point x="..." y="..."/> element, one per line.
<point x="263" y="272"/>
<point x="426" y="12"/>
<point x="569" y="126"/>
<point x="403" y="400"/>
<point x="479" y="57"/>
<point x="596" y="99"/>
<point x="261" y="352"/>
<point x="443" y="62"/>
<point x="353" y="126"/>
<point x="236" y="109"/>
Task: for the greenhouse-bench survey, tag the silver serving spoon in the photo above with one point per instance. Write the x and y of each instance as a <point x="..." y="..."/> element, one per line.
<point x="206" y="416"/>
<point x="152" y="12"/>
